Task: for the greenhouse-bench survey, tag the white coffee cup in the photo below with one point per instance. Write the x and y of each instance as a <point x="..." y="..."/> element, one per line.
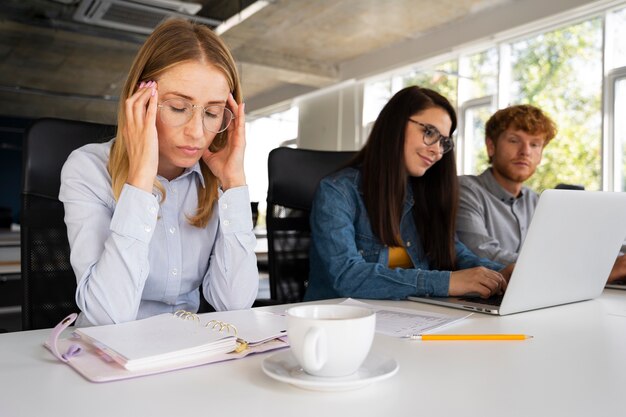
<point x="330" y="340"/>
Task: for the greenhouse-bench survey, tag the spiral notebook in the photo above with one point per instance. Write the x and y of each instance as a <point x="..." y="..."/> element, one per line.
<point x="167" y="342"/>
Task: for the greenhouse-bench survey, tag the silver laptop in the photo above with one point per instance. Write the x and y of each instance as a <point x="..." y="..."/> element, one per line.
<point x="617" y="285"/>
<point x="568" y="253"/>
<point x="621" y="284"/>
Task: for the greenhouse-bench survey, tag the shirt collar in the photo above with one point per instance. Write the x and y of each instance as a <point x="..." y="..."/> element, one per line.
<point x="491" y="184"/>
<point x="193" y="170"/>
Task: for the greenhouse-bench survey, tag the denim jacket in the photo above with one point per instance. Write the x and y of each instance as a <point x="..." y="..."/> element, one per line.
<point x="348" y="260"/>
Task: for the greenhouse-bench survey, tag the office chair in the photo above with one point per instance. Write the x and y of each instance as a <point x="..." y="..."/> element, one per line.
<point x="293" y="176"/>
<point x="563" y="186"/>
<point x="49" y="284"/>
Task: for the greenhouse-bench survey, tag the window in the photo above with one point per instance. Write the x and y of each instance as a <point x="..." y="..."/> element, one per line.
<point x="477" y="89"/>
<point x="559" y="70"/>
<point x="478" y="75"/>
<point x="471" y="153"/>
<point x="441" y="78"/>
<point x="617" y="125"/>
<point x="615" y="101"/>
<point x="375" y="97"/>
<point x="561" y="73"/>
<point x="616" y="33"/>
<point x="263" y="135"/>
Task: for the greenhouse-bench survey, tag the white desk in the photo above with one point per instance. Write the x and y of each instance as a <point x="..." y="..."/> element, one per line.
<point x="575" y="366"/>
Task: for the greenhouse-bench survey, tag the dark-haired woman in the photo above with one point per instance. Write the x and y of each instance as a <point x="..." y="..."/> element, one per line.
<point x="383" y="228"/>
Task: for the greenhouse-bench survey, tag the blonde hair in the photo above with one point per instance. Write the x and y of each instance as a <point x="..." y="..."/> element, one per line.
<point x="173" y="42"/>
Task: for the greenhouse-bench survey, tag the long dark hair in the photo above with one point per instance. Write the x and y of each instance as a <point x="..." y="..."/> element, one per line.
<point x="385" y="177"/>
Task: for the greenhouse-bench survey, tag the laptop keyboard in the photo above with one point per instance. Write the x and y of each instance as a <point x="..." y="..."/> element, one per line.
<point x="495" y="300"/>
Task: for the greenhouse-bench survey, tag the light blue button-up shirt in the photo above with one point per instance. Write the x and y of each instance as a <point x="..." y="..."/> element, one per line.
<point x="138" y="256"/>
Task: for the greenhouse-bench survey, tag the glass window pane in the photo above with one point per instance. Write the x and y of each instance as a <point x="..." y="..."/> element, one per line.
<point x="443" y="78"/>
<point x="263" y="135"/>
<point x="474" y="136"/>
<point x="478" y="75"/>
<point x="375" y="96"/>
<point x="561" y="72"/>
<point x="616" y="33"/>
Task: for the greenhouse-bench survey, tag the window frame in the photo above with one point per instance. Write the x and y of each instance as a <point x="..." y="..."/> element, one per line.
<point x="612" y="158"/>
<point x="464" y="153"/>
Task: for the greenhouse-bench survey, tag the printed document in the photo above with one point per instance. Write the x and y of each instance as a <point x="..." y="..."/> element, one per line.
<point x="404" y="322"/>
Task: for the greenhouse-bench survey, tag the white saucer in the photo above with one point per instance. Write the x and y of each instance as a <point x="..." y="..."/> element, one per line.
<point x="283" y="367"/>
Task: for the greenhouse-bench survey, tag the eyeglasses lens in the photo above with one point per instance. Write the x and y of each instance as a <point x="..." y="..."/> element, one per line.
<point x="178" y="112"/>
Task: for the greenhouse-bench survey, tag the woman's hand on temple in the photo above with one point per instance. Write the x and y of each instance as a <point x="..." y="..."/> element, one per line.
<point x="140" y="134"/>
<point x="227" y="163"/>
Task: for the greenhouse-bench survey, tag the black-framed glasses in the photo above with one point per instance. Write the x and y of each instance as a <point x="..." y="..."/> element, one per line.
<point x="432" y="136"/>
<point x="177" y="111"/>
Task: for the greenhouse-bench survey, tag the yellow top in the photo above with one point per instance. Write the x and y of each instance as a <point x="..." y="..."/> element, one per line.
<point x="399" y="258"/>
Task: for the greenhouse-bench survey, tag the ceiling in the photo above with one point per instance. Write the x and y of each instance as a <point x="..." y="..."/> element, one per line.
<point x="53" y="65"/>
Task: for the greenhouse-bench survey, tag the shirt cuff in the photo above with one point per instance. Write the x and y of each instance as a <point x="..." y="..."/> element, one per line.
<point x="234" y="210"/>
<point x="135" y="214"/>
<point x="433" y="283"/>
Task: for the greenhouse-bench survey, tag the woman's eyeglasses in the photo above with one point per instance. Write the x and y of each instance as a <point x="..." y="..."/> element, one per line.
<point x="432" y="136"/>
<point x="176" y="112"/>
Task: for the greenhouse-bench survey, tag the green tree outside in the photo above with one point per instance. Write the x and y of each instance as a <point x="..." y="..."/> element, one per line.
<point x="561" y="73"/>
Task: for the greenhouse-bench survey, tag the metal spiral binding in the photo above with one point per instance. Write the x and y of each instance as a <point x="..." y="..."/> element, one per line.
<point x="215" y="325"/>
<point x="186" y="315"/>
<point x="222" y="326"/>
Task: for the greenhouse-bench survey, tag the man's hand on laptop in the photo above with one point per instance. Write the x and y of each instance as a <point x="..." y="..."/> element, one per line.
<point x="479" y="280"/>
<point x="618" y="273"/>
<point x="507" y="271"/>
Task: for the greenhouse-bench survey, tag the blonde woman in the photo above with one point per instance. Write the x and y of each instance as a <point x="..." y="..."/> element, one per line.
<point x="162" y="211"/>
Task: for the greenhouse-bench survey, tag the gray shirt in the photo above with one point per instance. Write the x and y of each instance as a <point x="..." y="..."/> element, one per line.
<point x="491" y="221"/>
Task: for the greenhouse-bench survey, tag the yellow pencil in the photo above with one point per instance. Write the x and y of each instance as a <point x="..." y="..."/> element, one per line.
<point x="471" y="337"/>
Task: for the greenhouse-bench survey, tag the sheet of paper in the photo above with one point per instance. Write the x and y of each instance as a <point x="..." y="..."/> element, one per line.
<point x="401" y="322"/>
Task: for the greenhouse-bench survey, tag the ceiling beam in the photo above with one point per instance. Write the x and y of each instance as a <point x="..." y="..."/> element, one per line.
<point x="288" y="68"/>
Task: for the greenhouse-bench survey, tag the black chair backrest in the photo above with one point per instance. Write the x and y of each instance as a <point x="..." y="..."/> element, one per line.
<point x="293" y="176"/>
<point x="563" y="186"/>
<point x="47" y="276"/>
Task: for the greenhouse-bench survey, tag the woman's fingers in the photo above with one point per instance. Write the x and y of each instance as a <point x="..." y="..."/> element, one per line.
<point x="152" y="107"/>
<point x="237" y="128"/>
<point x="135" y="106"/>
<point x="141" y="136"/>
<point x="140" y="103"/>
<point x="496" y="282"/>
<point x="488" y="282"/>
